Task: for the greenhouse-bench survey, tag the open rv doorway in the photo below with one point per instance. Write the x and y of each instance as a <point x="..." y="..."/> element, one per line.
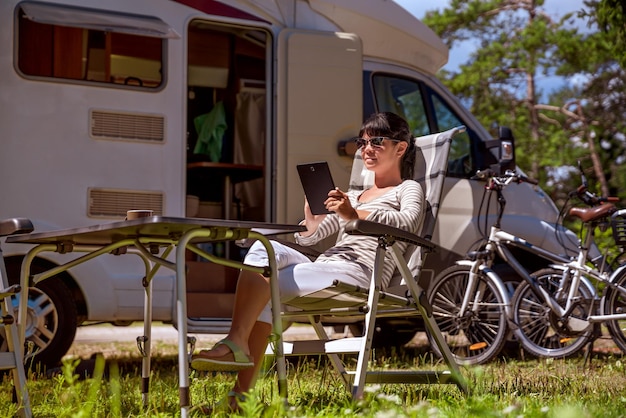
<point x="227" y="149"/>
<point x="226" y="121"/>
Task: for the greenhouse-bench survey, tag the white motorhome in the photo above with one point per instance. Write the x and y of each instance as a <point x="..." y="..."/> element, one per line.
<point x="203" y="108"/>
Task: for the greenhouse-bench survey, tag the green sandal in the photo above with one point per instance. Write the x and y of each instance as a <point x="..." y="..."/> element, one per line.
<point x="234" y="361"/>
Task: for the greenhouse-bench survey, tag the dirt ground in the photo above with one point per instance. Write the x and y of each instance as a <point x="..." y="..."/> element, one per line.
<point x="115" y="342"/>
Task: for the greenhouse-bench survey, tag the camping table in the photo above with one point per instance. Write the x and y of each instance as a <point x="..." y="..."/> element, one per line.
<point x="153" y="239"/>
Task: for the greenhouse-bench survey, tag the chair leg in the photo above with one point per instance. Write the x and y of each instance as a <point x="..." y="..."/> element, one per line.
<point x="432" y="327"/>
<point x="334" y="358"/>
<point x="426" y="312"/>
<point x="358" y="386"/>
<point x="13" y="359"/>
<point x="356" y="380"/>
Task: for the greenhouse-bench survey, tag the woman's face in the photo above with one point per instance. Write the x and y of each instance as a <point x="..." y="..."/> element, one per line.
<point x="382" y="154"/>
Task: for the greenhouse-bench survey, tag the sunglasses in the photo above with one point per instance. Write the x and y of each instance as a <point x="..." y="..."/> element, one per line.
<point x="376" y="141"/>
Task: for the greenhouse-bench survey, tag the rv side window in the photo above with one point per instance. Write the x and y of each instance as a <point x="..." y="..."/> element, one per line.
<point x="404" y="97"/>
<point x="460" y="162"/>
<point x="73" y="53"/>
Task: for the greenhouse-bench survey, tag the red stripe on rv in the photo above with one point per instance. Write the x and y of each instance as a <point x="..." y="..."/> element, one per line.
<point x="213" y="7"/>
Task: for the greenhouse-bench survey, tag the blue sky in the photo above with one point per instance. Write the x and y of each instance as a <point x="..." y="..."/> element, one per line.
<point x="459" y="54"/>
<point x="418" y="8"/>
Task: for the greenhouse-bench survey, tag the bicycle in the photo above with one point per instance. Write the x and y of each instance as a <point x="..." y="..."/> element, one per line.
<point x="559" y="325"/>
<point x="470" y="301"/>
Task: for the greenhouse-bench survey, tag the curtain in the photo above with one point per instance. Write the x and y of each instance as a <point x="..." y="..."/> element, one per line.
<point x="250" y="149"/>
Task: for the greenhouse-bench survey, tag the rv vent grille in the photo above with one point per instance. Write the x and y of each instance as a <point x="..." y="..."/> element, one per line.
<point x="127" y="126"/>
<point x="114" y="203"/>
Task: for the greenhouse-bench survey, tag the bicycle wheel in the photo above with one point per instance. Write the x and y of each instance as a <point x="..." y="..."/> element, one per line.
<point x="540" y="331"/>
<point x="614" y="302"/>
<point x="478" y="335"/>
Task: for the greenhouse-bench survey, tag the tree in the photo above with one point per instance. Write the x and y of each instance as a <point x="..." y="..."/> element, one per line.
<point x="516" y="44"/>
<point x="610" y="16"/>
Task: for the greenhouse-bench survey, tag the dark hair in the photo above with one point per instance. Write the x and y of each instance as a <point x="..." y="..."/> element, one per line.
<point x="390" y="125"/>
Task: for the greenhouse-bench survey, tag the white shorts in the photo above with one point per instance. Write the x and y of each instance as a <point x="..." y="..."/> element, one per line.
<point x="299" y="276"/>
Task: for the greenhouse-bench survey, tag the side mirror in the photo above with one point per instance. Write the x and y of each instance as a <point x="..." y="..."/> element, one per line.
<point x="347" y="148"/>
<point x="504" y="150"/>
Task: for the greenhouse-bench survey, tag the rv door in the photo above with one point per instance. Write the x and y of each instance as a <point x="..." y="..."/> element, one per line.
<point x="319" y="89"/>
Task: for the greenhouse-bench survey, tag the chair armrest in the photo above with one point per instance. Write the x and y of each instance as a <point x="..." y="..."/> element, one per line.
<point x="15" y="226"/>
<point x="375" y="229"/>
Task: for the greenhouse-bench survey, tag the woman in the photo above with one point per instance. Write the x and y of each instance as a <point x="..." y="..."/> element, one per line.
<point x="387" y="148"/>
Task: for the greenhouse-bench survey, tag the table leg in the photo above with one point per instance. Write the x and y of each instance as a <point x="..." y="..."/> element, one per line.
<point x="147" y="343"/>
<point x="181" y="310"/>
<point x="25" y="276"/>
<point x="181" y="318"/>
<point x="277" y="322"/>
<point x="144" y="342"/>
<point x="22" y="316"/>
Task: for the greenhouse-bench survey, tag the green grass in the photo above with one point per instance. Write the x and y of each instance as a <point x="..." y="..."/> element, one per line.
<point x="532" y="388"/>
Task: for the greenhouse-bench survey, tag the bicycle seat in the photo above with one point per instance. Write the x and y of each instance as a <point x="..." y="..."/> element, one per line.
<point x="593" y="214"/>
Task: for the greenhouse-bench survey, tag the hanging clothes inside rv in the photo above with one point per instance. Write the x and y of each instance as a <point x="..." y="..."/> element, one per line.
<point x="211" y="128"/>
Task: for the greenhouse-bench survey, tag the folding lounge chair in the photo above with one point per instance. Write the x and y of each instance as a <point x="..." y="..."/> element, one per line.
<point x="403" y="297"/>
<point x="13" y="358"/>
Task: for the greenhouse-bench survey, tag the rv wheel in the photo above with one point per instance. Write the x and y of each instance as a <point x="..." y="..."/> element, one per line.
<point x="51" y="320"/>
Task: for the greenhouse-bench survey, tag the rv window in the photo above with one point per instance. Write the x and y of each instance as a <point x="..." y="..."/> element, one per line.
<point x="50" y="46"/>
<point x="84" y="18"/>
<point x="460" y="162"/>
<point x="404" y="98"/>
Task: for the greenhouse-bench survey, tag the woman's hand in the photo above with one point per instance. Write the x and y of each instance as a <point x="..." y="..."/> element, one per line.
<point x="310" y="221"/>
<point x="339" y="203"/>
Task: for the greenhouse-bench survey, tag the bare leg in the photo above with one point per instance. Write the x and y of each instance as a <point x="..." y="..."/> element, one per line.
<point x="253" y="293"/>
<point x="257" y="343"/>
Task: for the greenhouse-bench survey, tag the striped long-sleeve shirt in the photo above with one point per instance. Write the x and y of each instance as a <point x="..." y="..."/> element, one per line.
<point x="401" y="206"/>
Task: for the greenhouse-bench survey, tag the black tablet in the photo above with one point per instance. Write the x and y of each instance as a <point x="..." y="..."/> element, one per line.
<point x="316" y="182"/>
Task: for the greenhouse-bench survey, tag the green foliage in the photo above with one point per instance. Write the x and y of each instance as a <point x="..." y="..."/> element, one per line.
<point x="611" y="18"/>
<point x="515" y="44"/>
<point x="532" y="388"/>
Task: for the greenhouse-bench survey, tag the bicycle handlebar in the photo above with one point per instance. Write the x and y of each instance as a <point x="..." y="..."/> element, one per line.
<point x="525" y="179"/>
<point x="483" y="174"/>
<point x="508" y="177"/>
<point x="589" y="198"/>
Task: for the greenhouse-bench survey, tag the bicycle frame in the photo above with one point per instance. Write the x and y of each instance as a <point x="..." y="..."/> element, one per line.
<point x="498" y="243"/>
<point x="555" y="309"/>
<point x="616" y="274"/>
<point x="475" y="267"/>
<point x="500" y="239"/>
<point x="481" y="311"/>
